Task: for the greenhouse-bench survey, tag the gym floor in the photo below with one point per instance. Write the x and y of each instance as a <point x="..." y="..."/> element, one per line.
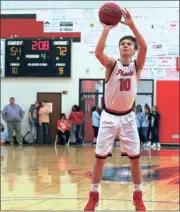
<point x="49" y="178"/>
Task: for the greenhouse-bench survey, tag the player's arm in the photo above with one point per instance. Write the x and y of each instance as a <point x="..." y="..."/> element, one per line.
<point x="105" y="60"/>
<point x="141" y="57"/>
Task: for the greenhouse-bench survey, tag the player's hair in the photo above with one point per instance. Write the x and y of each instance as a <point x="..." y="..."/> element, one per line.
<point x="62" y="114"/>
<point x="93" y="109"/>
<point x="42" y="103"/>
<point x="139" y="108"/>
<point x="12" y="98"/>
<point x="77" y="109"/>
<point x="155" y="108"/>
<point x="130" y="37"/>
<point x="2" y="128"/>
<point x="36" y="102"/>
<point x="146" y="106"/>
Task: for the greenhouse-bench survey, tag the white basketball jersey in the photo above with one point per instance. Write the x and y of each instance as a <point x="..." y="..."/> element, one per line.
<point x="121" y="87"/>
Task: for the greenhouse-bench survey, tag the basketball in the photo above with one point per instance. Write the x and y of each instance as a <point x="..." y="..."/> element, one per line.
<point x="110" y="14"/>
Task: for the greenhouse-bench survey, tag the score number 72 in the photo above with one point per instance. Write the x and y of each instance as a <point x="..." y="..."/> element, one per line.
<point x="62" y="50"/>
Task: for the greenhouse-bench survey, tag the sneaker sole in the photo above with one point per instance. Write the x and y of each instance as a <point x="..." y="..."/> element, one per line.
<point x="96" y="205"/>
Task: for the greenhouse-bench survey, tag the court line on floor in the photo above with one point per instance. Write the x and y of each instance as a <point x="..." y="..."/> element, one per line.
<point x="63" y="198"/>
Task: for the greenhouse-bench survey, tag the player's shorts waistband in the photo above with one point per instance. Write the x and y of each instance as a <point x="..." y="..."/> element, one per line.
<point x="118" y="113"/>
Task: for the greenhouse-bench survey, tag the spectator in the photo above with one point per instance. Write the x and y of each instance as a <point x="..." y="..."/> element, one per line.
<point x="76" y="119"/>
<point x="95" y="116"/>
<point x="139" y="120"/>
<point x="33" y="121"/>
<point x="4" y="134"/>
<point x="155" y="117"/>
<point x="63" y="126"/>
<point x="99" y="111"/>
<point x="149" y="129"/>
<point x="13" y="116"/>
<point x="145" y="125"/>
<point x="44" y="123"/>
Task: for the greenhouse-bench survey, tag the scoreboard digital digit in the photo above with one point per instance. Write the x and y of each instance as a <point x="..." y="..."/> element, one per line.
<point x="38" y="58"/>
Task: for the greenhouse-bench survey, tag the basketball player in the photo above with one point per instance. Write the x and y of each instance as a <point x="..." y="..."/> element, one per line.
<point x="121" y="78"/>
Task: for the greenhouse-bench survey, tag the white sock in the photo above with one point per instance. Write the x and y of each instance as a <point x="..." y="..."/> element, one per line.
<point x="137" y="187"/>
<point x="95" y="187"/>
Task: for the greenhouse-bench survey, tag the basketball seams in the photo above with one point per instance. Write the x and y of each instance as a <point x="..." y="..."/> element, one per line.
<point x="110" y="13"/>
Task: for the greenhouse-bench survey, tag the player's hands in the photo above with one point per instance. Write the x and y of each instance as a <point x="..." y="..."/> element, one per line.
<point x="108" y="27"/>
<point x="128" y="19"/>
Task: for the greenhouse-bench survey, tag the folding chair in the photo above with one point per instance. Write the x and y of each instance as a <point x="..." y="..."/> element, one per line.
<point x="57" y="139"/>
<point x="72" y="138"/>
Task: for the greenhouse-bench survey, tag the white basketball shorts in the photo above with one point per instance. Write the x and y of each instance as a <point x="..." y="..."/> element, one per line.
<point x="123" y="126"/>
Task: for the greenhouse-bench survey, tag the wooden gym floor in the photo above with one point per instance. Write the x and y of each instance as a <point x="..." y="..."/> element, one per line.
<point x="45" y="178"/>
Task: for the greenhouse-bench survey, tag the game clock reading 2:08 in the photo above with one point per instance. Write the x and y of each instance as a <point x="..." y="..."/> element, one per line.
<point x="38" y="58"/>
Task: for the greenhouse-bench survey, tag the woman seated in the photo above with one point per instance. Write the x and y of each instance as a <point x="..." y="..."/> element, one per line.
<point x="4" y="134"/>
<point x="63" y="126"/>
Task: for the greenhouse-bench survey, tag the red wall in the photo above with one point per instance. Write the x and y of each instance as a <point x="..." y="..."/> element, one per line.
<point x="167" y="100"/>
<point x="29" y="27"/>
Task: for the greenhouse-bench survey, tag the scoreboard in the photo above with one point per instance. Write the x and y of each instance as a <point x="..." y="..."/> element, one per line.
<point x="38" y="58"/>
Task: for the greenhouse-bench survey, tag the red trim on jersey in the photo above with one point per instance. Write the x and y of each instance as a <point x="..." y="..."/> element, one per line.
<point x="111" y="71"/>
<point x="109" y="154"/>
<point x="135" y="64"/>
<point x="101" y="156"/>
<point x="117" y="112"/>
<point x="130" y="156"/>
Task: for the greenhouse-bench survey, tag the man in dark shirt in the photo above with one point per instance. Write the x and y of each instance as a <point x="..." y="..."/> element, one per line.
<point x="33" y="121"/>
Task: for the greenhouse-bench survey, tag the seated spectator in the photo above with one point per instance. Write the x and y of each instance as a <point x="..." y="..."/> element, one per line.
<point x="4" y="134"/>
<point x="63" y="126"/>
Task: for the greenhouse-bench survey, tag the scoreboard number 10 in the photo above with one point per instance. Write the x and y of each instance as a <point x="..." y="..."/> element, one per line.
<point x="14" y="70"/>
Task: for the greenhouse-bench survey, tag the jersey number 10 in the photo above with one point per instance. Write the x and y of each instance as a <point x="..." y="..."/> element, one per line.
<point x="125" y="84"/>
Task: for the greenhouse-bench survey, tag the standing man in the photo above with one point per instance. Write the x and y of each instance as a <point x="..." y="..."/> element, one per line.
<point x="33" y="121"/>
<point x="118" y="118"/>
<point x="44" y="123"/>
<point x="13" y="116"/>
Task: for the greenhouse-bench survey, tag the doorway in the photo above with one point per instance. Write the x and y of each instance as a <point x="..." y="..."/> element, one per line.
<point x="145" y="93"/>
<point x="55" y="100"/>
<point x="91" y="92"/>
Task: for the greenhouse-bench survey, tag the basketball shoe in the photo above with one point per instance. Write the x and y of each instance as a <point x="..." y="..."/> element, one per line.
<point x="93" y="201"/>
<point x="138" y="201"/>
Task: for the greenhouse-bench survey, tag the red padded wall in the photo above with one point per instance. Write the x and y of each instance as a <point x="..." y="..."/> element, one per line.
<point x="167" y="100"/>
